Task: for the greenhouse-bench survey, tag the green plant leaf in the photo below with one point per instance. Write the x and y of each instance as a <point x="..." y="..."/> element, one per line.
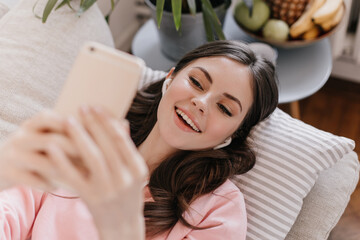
<point x="213" y="18"/>
<point x="206" y="4"/>
<point x="85" y="6"/>
<point x="67" y="2"/>
<point x="112" y="4"/>
<point x="176" y="10"/>
<point x="207" y="25"/>
<point x="33" y="10"/>
<point x="192" y="6"/>
<point x="159" y="11"/>
<point x="48" y="8"/>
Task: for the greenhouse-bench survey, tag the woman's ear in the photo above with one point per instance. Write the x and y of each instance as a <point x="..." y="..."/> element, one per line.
<point x="167" y="81"/>
<point x="170" y="72"/>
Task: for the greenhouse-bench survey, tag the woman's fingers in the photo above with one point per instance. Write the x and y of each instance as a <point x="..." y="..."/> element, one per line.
<point x="129" y="154"/>
<point x="21" y="176"/>
<point x="38" y="142"/>
<point x="35" y="162"/>
<point x="106" y="144"/>
<point x="68" y="175"/>
<point x="48" y="121"/>
<point x="92" y="158"/>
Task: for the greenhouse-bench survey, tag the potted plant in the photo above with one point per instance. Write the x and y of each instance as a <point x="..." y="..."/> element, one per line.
<point x="182" y="24"/>
<point x="185" y="24"/>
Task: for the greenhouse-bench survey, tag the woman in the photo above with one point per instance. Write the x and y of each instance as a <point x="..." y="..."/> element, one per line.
<point x="188" y="137"/>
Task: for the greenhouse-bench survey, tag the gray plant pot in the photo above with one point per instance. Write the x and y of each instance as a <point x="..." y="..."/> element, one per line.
<point x="174" y="44"/>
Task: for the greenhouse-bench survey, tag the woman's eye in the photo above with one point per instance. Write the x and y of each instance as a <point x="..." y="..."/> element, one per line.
<point x="196" y="83"/>
<point x="224" y="109"/>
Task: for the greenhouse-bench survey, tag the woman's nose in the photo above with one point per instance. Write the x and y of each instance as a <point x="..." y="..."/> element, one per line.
<point x="200" y="104"/>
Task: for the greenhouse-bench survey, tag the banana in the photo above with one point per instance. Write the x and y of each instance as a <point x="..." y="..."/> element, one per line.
<point x="332" y="22"/>
<point x="312" y="33"/>
<point x="304" y="23"/>
<point x="327" y="10"/>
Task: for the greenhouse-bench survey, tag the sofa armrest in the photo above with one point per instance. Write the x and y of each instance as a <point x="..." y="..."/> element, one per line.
<point x="3" y="9"/>
<point x="327" y="200"/>
<point x="36" y="58"/>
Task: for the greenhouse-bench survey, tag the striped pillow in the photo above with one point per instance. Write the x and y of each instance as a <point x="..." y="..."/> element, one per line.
<point x="290" y="155"/>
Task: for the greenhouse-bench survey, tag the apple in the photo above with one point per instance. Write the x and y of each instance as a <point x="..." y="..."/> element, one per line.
<point x="276" y="29"/>
<point x="260" y="14"/>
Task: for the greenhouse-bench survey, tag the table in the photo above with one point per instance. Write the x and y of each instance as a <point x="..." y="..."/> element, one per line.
<point x="301" y="71"/>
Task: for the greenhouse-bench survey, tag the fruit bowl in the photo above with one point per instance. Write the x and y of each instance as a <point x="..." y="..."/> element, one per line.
<point x="289" y="43"/>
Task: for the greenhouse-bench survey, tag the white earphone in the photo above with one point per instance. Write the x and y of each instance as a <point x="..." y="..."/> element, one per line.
<point x="165" y="85"/>
<point x="224" y="144"/>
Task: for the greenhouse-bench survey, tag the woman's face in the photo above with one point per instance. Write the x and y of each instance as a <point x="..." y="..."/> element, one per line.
<point x="205" y="103"/>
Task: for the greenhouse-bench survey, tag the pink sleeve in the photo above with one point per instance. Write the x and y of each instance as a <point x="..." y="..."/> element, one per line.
<point x="227" y="216"/>
<point x="18" y="208"/>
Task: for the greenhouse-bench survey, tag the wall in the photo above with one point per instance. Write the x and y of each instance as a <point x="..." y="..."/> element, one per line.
<point x="346" y="44"/>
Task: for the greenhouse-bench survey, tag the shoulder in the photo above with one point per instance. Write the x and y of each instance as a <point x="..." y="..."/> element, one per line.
<point x="228" y="192"/>
<point x="226" y="196"/>
<point x="222" y="213"/>
<point x="228" y="187"/>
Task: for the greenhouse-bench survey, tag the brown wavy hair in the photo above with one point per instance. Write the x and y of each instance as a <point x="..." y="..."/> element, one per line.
<point x="187" y="175"/>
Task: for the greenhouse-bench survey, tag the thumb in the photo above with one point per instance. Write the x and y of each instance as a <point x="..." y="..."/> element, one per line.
<point x="125" y="123"/>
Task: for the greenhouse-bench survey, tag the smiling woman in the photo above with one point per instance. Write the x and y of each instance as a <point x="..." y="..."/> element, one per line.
<point x="215" y="93"/>
<point x="187" y="138"/>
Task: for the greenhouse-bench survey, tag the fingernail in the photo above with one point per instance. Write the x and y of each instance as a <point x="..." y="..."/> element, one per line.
<point x="84" y="109"/>
<point x="125" y="123"/>
<point x="71" y="120"/>
<point x="99" y="111"/>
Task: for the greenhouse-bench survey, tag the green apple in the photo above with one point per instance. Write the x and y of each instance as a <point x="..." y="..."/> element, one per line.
<point x="260" y="14"/>
<point x="276" y="29"/>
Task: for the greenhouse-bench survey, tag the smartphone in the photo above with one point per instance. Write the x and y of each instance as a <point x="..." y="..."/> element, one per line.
<point x="101" y="76"/>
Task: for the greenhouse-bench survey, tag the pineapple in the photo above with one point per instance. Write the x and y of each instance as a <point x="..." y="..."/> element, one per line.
<point x="287" y="10"/>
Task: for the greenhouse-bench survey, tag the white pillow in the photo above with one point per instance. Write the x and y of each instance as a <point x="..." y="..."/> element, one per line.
<point x="289" y="157"/>
<point x="36" y="58"/>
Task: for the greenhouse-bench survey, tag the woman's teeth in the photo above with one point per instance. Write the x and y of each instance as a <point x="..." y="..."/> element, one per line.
<point x="187" y="120"/>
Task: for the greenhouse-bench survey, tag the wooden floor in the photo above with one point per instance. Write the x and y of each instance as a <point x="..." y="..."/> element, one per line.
<point x="336" y="109"/>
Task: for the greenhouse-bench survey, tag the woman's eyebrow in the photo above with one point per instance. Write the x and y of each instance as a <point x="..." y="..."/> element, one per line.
<point x="208" y="77"/>
<point x="206" y="73"/>
<point x="234" y="99"/>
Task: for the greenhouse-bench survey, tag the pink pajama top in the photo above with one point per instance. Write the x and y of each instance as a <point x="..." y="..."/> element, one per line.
<point x="30" y="214"/>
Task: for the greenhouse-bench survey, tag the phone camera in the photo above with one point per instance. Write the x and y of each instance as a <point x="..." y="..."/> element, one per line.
<point x="92" y="49"/>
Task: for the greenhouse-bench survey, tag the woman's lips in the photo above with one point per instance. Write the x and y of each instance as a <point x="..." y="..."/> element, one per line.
<point x="182" y="124"/>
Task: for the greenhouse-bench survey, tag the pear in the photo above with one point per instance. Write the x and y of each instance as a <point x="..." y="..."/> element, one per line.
<point x="276" y="30"/>
<point x="260" y="14"/>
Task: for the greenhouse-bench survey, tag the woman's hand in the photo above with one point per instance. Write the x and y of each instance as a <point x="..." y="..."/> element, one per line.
<point x="113" y="177"/>
<point x="23" y="157"/>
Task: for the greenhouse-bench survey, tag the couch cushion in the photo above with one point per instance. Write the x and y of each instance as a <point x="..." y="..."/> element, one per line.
<point x="3" y="9"/>
<point x="326" y="202"/>
<point x="36" y="58"/>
